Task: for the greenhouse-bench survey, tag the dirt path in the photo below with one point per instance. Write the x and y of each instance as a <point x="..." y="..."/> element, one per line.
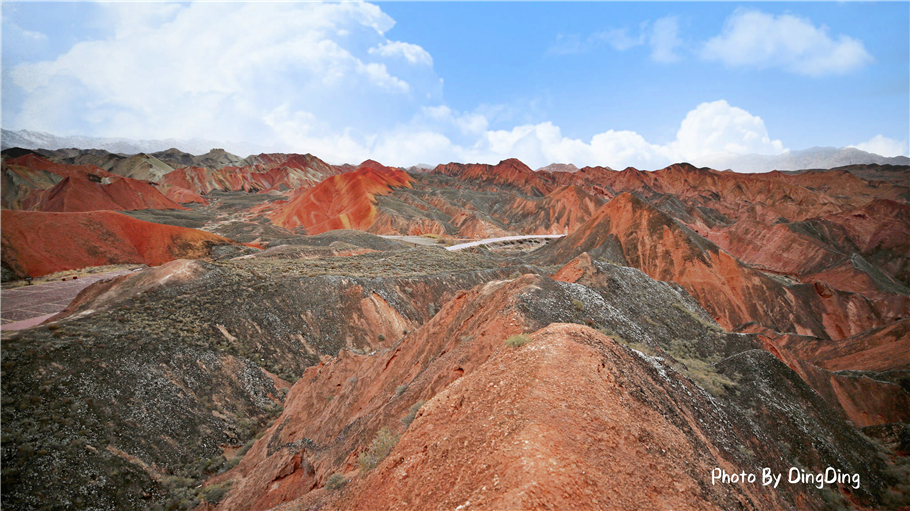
<point x="27" y="306"/>
<point x="488" y="241"/>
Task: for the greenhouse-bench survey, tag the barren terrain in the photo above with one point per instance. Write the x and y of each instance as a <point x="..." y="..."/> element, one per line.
<point x="301" y="338"/>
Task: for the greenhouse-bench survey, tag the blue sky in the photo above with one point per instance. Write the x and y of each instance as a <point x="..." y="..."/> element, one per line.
<point x="592" y="83"/>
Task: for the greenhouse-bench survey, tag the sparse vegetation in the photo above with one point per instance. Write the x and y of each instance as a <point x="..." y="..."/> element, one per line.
<point x="400" y="390"/>
<point x="578" y="304"/>
<point x="517" y="340"/>
<point x="412" y="413"/>
<point x="336" y="481"/>
<point x="697" y="317"/>
<point x="699" y="369"/>
<point x="379" y="448"/>
<point x="214" y="493"/>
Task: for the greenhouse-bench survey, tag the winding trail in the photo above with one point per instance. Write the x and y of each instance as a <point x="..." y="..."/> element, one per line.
<point x="490" y="241"/>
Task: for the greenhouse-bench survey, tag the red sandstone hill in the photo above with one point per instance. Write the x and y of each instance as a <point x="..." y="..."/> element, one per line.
<point x="844" y="185"/>
<point x="74" y="194"/>
<point x="562" y="211"/>
<point x="261" y="172"/>
<point x="38" y="243"/>
<point x="736" y="196"/>
<point x="591" y="179"/>
<point x="631" y="232"/>
<point x="37" y="184"/>
<point x="765" y="198"/>
<point x="33" y="162"/>
<point x="572" y="418"/>
<point x="25" y="174"/>
<point x="345" y="201"/>
<point x="862" y="250"/>
<point x="511" y="173"/>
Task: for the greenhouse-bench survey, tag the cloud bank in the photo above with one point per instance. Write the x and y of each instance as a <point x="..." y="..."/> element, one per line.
<point x="753" y="39"/>
<point x="325" y="79"/>
<point x="883" y="146"/>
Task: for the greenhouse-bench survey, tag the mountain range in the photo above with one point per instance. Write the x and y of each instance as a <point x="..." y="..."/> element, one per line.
<point x="812" y="158"/>
<point x="311" y="336"/>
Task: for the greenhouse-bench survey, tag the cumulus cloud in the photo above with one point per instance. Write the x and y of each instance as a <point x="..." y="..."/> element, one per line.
<point x="324" y="79"/>
<point x="754" y="39"/>
<point x="883" y="146"/>
<point x="170" y="70"/>
<point x="410" y="52"/>
<point x="709" y="129"/>
<point x="717" y="128"/>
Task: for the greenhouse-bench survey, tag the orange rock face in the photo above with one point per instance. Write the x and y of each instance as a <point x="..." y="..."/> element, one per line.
<point x="183" y="196"/>
<point x="509" y="172"/>
<point x="41" y="185"/>
<point x="36" y="243"/>
<point x="75" y="194"/>
<point x="629" y="231"/>
<point x="864" y="400"/>
<point x="345" y="201"/>
<point x="267" y="172"/>
<point x="562" y="211"/>
<point x="570" y="419"/>
<point x="493" y="440"/>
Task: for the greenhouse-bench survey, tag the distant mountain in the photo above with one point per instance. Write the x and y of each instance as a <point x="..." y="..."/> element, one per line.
<point x="812" y="158"/>
<point x="27" y="139"/>
<point x="559" y="167"/>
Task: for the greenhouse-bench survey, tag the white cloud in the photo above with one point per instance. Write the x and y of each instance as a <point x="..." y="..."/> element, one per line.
<point x="709" y="129"/>
<point x="380" y="76"/>
<point x="664" y="39"/>
<point x="217" y="69"/>
<point x="883" y="146"/>
<point x="466" y="123"/>
<point x="411" y="52"/>
<point x="717" y="127"/>
<point x="324" y="79"/>
<point x="758" y="40"/>
<point x="662" y="36"/>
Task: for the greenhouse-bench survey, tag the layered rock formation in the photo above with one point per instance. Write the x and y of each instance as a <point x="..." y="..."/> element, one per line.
<point x="346" y="201"/>
<point x="631" y="232"/>
<point x="36" y="243"/>
<point x="690" y="321"/>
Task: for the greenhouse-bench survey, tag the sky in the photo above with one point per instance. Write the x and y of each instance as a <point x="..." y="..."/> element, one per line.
<point x="617" y="84"/>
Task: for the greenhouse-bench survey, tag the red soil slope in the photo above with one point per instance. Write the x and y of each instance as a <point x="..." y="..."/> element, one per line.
<point x="267" y="172"/>
<point x="738" y="196"/>
<point x="34" y="163"/>
<point x="82" y="188"/>
<point x="881" y="349"/>
<point x="864" y="400"/>
<point x="511" y="172"/>
<point x="345" y="201"/>
<point x="822" y="250"/>
<point x="635" y="233"/>
<point x="75" y="194"/>
<point x="183" y="196"/>
<point x="38" y="243"/>
<point x="570" y="420"/>
<point x="562" y="211"/>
